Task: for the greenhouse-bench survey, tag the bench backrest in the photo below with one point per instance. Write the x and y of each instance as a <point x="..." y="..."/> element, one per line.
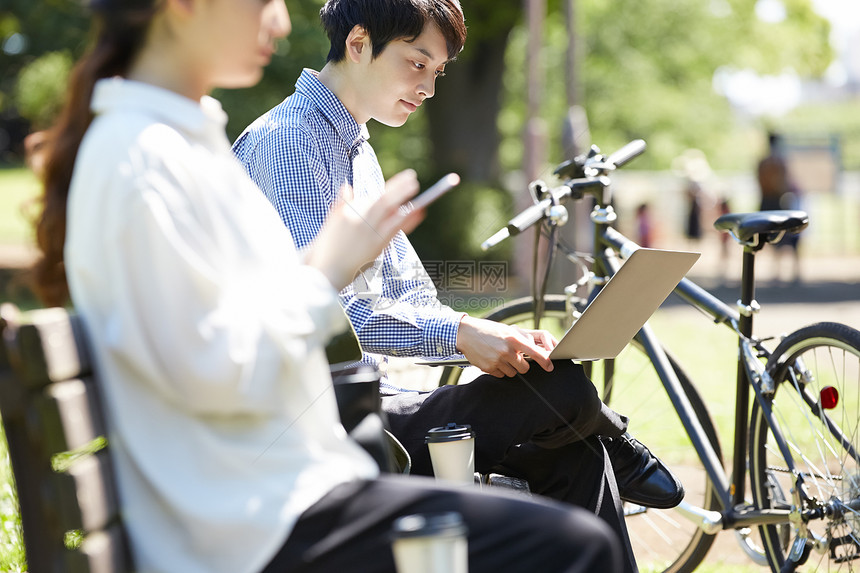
<point x="55" y="428"/>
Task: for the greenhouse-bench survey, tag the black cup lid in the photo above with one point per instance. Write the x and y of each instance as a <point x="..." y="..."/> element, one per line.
<point x="426" y="524"/>
<point x="450" y="432"/>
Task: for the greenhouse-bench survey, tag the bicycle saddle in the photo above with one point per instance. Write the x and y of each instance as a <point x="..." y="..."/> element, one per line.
<point x="772" y="225"/>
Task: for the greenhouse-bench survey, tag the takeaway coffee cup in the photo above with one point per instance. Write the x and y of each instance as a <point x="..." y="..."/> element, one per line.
<point x="430" y="543"/>
<point x="452" y="452"/>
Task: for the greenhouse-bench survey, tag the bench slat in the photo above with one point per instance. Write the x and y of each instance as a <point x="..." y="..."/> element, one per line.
<point x="101" y="552"/>
<point x="69" y="415"/>
<point x="50" y="348"/>
<point x="87" y="497"/>
<point x="49" y="402"/>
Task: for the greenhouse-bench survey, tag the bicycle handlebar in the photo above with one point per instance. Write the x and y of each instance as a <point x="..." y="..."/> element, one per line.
<point x="593" y="163"/>
<point x="627" y="153"/>
<point x="538" y="211"/>
<point x="583" y="173"/>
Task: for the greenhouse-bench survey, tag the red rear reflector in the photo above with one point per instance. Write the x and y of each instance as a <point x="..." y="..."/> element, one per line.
<point x="829" y="397"/>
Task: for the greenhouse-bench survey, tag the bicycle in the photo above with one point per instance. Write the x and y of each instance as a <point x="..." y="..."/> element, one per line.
<point x="799" y="435"/>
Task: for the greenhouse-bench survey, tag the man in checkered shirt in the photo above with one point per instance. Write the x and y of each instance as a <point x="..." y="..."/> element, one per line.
<point x="304" y="152"/>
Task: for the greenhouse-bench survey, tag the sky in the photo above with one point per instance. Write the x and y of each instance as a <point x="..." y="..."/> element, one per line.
<point x="843" y="14"/>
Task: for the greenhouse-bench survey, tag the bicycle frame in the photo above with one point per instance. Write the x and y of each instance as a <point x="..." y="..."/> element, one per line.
<point x="802" y="493"/>
<point x="608" y="243"/>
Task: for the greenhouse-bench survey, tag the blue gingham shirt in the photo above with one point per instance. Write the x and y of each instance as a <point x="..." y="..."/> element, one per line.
<point x="301" y="153"/>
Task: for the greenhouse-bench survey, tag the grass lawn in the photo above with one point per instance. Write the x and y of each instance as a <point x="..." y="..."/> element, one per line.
<point x="17" y="187"/>
<point x="708" y="354"/>
<point x="12" y="556"/>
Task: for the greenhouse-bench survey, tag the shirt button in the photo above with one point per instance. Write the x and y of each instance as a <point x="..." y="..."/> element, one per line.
<point x="439" y="349"/>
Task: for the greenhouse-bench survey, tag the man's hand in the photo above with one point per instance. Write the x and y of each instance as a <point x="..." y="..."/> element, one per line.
<point x="498" y="349"/>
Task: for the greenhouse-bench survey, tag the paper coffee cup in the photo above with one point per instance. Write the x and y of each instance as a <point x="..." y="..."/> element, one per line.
<point x="452" y="453"/>
<point x="430" y="543"/>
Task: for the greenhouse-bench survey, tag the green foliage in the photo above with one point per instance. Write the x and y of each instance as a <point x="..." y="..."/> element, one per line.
<point x="647" y="70"/>
<point x="800" y="42"/>
<point x="405" y="147"/>
<point x="305" y="47"/>
<point x="17" y="188"/>
<point x="44" y="26"/>
<point x="12" y="555"/>
<point x="42" y="87"/>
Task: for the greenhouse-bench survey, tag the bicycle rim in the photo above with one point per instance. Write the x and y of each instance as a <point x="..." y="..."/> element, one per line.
<point x="807" y="366"/>
<point x="662" y="540"/>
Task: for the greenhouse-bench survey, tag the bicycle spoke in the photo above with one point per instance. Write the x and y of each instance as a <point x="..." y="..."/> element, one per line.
<point x="822" y="435"/>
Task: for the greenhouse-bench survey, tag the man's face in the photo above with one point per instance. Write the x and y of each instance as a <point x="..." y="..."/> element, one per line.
<point x="395" y="83"/>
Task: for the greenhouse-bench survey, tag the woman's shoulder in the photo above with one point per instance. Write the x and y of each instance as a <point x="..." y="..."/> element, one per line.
<point x="132" y="142"/>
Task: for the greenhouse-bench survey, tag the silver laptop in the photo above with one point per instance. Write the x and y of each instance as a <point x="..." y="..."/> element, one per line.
<point x="620" y="309"/>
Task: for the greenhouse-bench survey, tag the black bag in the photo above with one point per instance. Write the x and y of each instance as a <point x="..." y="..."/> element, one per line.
<point x="357" y="391"/>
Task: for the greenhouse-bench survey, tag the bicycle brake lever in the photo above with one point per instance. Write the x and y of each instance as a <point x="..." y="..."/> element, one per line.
<point x="573" y="168"/>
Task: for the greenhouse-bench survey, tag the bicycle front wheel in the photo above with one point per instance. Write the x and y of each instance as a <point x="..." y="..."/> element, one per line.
<point x="662" y="540"/>
<point x="816" y="407"/>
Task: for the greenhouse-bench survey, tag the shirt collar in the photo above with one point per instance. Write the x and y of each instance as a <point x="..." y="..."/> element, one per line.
<point x="203" y="118"/>
<point x="332" y="108"/>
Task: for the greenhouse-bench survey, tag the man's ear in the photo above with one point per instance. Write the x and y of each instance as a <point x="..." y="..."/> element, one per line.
<point x="358" y="44"/>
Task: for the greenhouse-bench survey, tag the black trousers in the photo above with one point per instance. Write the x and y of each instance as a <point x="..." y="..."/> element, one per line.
<point x="540" y="426"/>
<point x="348" y="530"/>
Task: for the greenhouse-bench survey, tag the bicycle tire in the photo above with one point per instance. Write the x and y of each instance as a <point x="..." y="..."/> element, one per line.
<point x="803" y="365"/>
<point x="662" y="541"/>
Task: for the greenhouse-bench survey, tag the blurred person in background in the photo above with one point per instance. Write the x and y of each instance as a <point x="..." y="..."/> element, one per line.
<point x="778" y="192"/>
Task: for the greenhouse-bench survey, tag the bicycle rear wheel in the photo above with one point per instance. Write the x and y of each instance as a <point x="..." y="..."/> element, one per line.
<point x="816" y="406"/>
<point x="662" y="540"/>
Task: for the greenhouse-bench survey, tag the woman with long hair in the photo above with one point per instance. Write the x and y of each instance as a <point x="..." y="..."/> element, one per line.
<point x="208" y="327"/>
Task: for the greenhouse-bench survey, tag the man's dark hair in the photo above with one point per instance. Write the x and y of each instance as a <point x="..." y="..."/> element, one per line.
<point x="389" y="20"/>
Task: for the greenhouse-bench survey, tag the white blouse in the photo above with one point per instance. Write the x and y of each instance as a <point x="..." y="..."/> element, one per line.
<point x="208" y="334"/>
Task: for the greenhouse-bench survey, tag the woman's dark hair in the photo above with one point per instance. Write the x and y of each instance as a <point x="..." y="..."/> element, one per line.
<point x="388" y="20"/>
<point x="119" y="28"/>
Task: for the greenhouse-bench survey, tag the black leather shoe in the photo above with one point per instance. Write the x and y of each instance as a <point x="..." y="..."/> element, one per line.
<point x="642" y="478"/>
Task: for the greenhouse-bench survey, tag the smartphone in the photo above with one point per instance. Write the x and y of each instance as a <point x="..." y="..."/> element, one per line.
<point x="435" y="191"/>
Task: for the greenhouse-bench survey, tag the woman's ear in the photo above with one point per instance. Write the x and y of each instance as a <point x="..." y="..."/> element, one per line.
<point x="358" y="44"/>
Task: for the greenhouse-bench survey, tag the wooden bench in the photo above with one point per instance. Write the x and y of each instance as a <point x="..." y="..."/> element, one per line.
<point x="54" y="424"/>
